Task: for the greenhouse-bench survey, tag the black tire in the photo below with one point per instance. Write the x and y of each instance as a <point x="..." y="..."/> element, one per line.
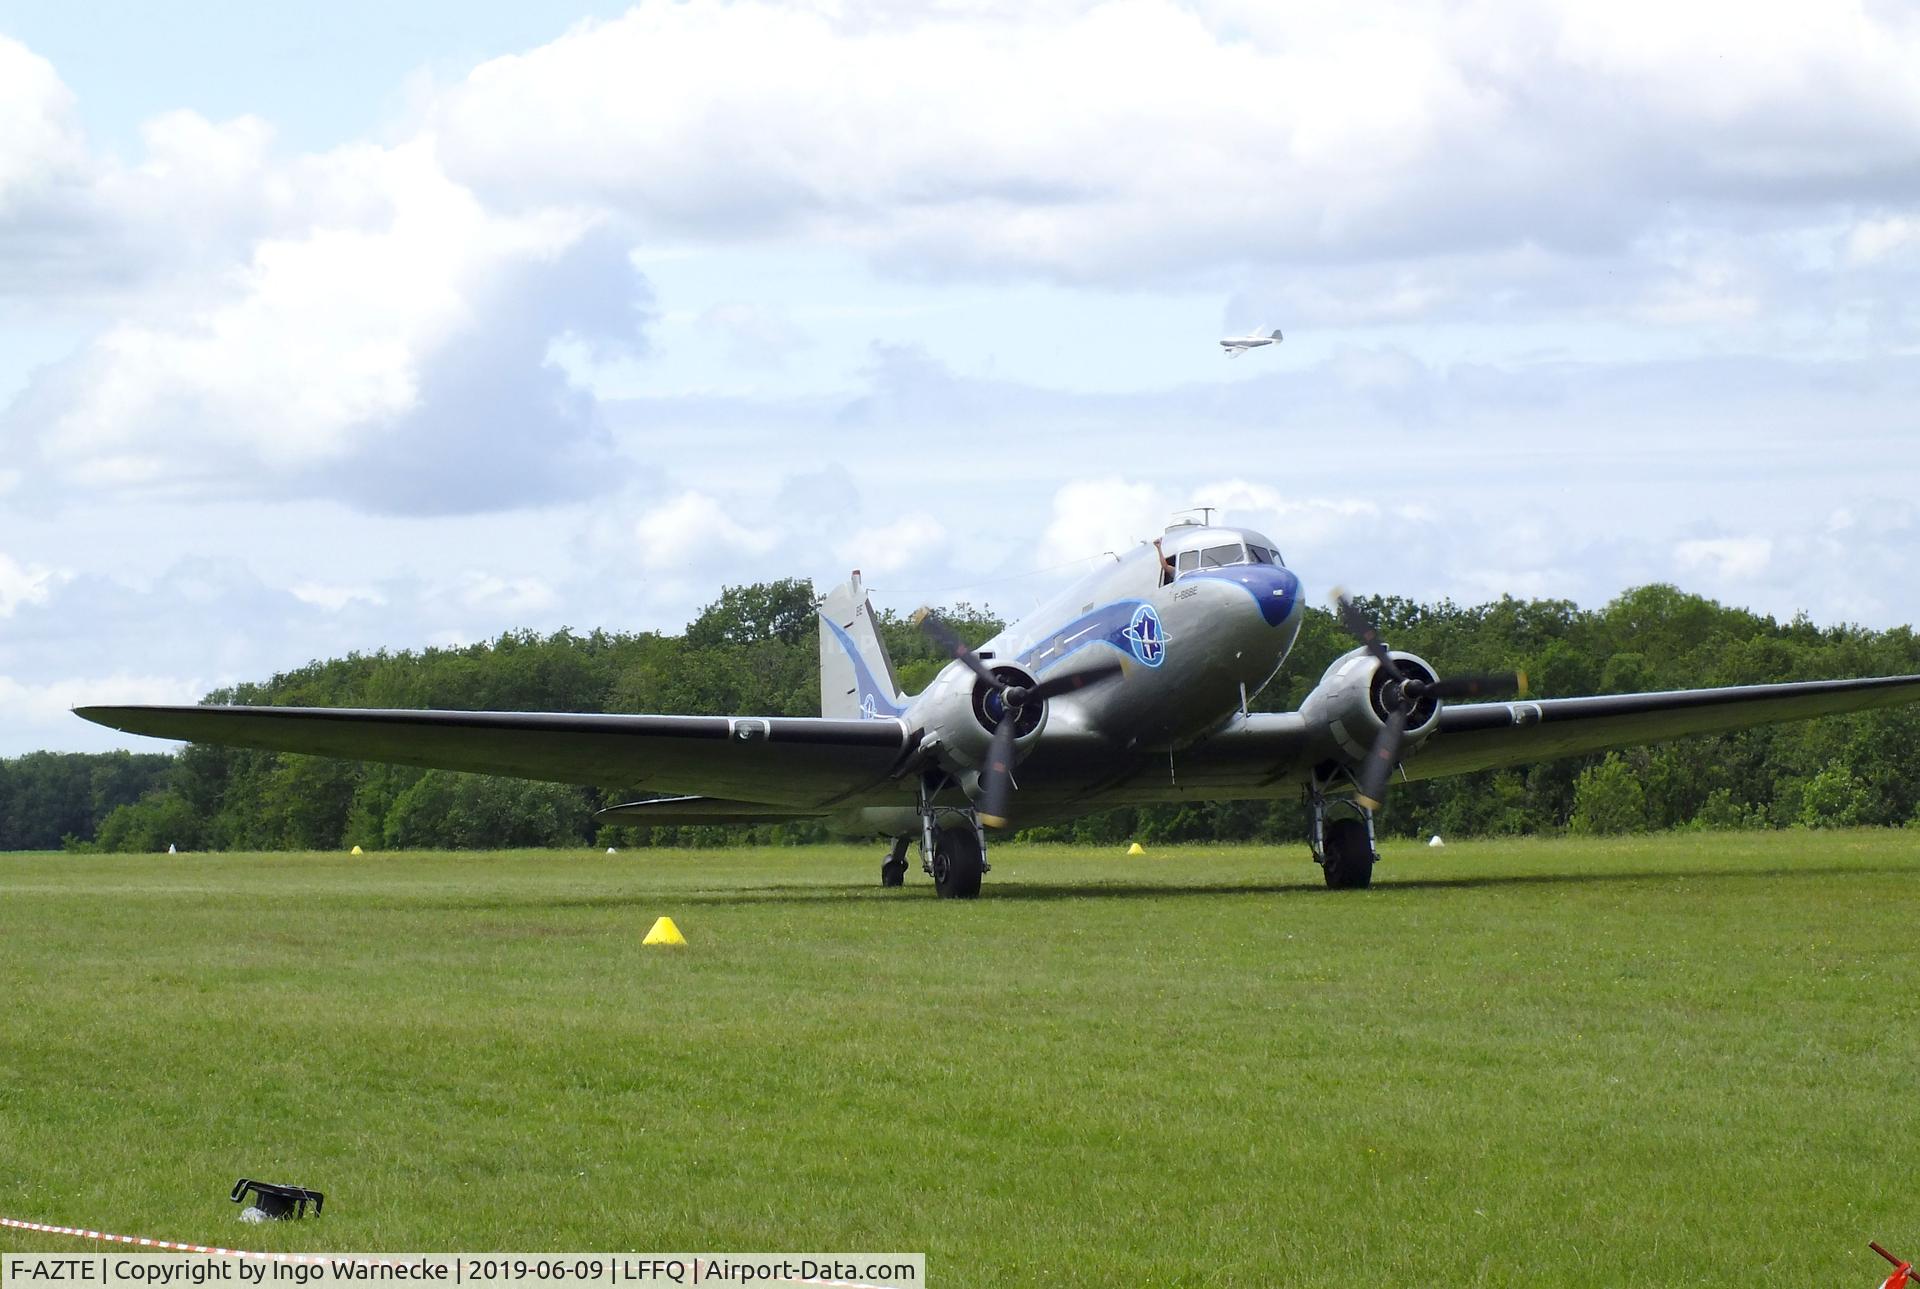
<point x="1348" y="862"/>
<point x="893" y="869"/>
<point x="957" y="864"/>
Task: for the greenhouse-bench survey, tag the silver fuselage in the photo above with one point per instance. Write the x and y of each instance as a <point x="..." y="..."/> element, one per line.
<point x="1197" y="644"/>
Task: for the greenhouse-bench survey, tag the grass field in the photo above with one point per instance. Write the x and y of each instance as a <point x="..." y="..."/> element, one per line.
<point x="1678" y="1060"/>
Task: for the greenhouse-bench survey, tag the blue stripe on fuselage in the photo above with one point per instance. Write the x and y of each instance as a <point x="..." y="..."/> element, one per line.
<point x="1105" y="625"/>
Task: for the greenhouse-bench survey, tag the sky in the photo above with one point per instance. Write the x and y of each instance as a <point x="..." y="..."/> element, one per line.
<point x="383" y="326"/>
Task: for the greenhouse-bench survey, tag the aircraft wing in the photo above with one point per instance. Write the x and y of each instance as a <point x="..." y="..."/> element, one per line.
<point x="1486" y="736"/>
<point x="805" y="762"/>
<point x="1270" y="753"/>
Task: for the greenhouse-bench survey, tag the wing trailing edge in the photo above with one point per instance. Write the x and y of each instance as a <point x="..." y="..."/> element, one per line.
<point x="701" y="810"/>
<point x="792" y="761"/>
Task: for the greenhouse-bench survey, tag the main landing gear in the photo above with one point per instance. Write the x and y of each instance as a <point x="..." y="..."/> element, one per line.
<point x="1342" y="841"/>
<point x="958" y="860"/>
<point x="953" y="851"/>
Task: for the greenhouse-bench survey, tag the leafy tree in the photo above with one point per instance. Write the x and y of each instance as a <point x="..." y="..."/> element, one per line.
<point x="1833" y="798"/>
<point x="745" y="615"/>
<point x="48" y="797"/>
<point x="153" y="823"/>
<point x="1721" y="812"/>
<point x="1607" y="798"/>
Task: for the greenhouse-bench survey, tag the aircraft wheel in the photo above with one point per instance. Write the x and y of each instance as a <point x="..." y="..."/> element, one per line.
<point x="893" y="870"/>
<point x="957" y="864"/>
<point x="1348" y="864"/>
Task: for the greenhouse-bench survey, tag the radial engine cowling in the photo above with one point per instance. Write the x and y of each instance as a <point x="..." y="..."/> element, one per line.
<point x="961" y="712"/>
<point x="1349" y="705"/>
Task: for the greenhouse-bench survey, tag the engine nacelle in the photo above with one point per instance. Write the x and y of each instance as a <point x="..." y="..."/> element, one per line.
<point x="958" y="714"/>
<point x="1348" y="708"/>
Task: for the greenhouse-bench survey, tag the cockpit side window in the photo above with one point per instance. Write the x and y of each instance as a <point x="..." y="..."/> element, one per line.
<point x="1261" y="555"/>
<point x="1187" y="561"/>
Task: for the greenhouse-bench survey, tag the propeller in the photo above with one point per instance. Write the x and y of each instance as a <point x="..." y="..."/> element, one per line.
<point x="996" y="778"/>
<point x="1402" y="696"/>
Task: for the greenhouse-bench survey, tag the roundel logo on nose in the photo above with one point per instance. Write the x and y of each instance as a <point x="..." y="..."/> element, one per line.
<point x="1145" y="637"/>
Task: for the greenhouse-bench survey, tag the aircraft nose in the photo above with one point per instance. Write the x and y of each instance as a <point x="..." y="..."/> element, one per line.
<point x="1274" y="589"/>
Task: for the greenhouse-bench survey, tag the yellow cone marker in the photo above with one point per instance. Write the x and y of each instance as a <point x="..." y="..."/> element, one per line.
<point x="1136" y="849"/>
<point x="357" y="851"/>
<point x="664" y="932"/>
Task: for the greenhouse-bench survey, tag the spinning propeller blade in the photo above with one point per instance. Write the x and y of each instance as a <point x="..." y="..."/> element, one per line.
<point x="994" y="804"/>
<point x="954" y="647"/>
<point x="1403" y="697"/>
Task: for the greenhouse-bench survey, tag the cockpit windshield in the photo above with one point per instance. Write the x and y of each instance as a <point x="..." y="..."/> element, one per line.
<point x="1224" y="556"/>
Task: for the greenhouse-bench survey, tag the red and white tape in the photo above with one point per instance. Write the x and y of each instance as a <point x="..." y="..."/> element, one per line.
<point x="142" y="1242"/>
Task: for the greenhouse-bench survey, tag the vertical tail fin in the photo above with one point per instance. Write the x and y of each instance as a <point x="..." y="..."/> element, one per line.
<point x="856" y="676"/>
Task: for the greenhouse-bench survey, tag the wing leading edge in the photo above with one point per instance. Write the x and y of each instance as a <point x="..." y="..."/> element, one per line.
<point x="795" y="761"/>
<point x="1270" y="754"/>
<point x="1487" y="736"/>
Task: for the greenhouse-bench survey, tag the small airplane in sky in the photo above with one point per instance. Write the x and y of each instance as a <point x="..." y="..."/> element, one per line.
<point x="1129" y="687"/>
<point x="1237" y="345"/>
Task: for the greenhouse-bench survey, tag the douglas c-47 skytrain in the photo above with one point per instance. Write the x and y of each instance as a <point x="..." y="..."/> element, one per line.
<point x="1130" y="687"/>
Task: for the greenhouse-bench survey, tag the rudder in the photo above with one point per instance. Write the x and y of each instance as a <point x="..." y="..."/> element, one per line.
<point x="856" y="676"/>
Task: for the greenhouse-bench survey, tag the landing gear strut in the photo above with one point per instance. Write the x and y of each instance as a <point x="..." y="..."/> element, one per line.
<point x="953" y="847"/>
<point x="893" y="871"/>
<point x="1342" y="841"/>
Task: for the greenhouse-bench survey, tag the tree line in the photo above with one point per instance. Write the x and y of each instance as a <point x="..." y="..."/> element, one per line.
<point x="754" y="651"/>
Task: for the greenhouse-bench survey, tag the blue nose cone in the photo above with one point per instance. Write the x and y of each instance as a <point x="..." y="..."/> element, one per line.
<point x="1275" y="590"/>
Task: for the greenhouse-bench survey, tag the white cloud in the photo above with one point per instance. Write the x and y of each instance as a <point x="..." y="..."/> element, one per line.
<point x="1133" y="136"/>
<point x="893" y="545"/>
<point x="40" y="143"/>
<point x="693" y="532"/>
<point x="1106" y="514"/>
<point x="1875" y="239"/>
<point x="1736" y="558"/>
<point x="504" y="595"/>
<point x="50" y="702"/>
<point x="354" y="323"/>
<point x="335" y="596"/>
<point x="318" y="344"/>
<point x="23" y="583"/>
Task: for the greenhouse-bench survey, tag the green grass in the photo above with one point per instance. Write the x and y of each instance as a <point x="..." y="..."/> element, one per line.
<point x="1677" y="1060"/>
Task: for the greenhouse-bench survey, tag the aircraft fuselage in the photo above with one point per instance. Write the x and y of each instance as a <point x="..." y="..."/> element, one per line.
<point x="1202" y="620"/>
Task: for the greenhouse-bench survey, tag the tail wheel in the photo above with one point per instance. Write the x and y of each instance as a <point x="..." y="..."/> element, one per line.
<point x="957" y="864"/>
<point x="893" y="872"/>
<point x="1348" y="859"/>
